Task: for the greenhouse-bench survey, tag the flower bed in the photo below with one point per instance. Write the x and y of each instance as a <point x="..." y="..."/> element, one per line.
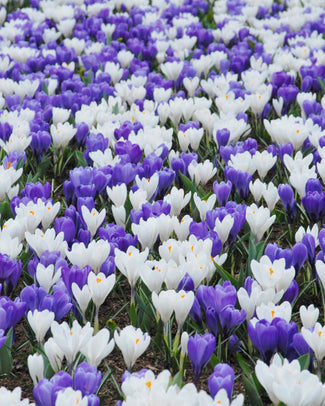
<point x="162" y="192"/>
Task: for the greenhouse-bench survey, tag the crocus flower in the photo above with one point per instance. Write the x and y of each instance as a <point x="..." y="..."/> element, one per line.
<point x="132" y="342"/>
<point x="223" y="376"/>
<point x="200" y="350"/>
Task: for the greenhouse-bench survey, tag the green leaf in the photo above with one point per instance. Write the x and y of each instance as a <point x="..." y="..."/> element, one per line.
<point x="246" y="368"/>
<point x="214" y="360"/>
<point x="321" y="84"/>
<point x="45" y="88"/>
<point x="252" y="393"/>
<point x="225" y="275"/>
<point x="5" y="211"/>
<point x="178" y="379"/>
<point x="5" y="355"/>
<point x="189" y="185"/>
<point x="80" y="158"/>
<point x="304" y="361"/>
<point x="115" y="109"/>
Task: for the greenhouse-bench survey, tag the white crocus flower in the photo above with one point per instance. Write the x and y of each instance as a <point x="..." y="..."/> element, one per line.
<point x="48" y="213"/>
<point x="148" y="184"/>
<point x="70" y="397"/>
<point x="47" y="276"/>
<point x="164" y="304"/>
<point x="10" y="246"/>
<point x="182" y="305"/>
<point x="271" y="311"/>
<point x="60" y="115"/>
<point x="62" y="134"/>
<point x="54" y="354"/>
<point x="308" y="316"/>
<point x="285" y="382"/>
<point x="204" y="205"/>
<point x="316" y="340"/>
<point x="100" y="286"/>
<point x="13" y="397"/>
<point x="272" y="274"/>
<point x="147" y="232"/>
<point x="172" y="69"/>
<point x="94" y="255"/>
<point x="132" y="342"/>
<point x="71" y="340"/>
<point x="137" y="198"/>
<point x="35" y="364"/>
<point x="257" y="188"/>
<point x="119" y="214"/>
<point x="224" y="227"/>
<point x="202" y="172"/>
<point x="256" y="298"/>
<point x="117" y="194"/>
<point x="130" y="262"/>
<point x="98" y="347"/>
<point x="40" y="322"/>
<point x="177" y="200"/>
<point x="48" y="241"/>
<point x="263" y="162"/>
<point x="93" y="219"/>
<point x="259" y="220"/>
<point x="153" y="274"/>
<point x="82" y="296"/>
<point x="182" y="227"/>
<point x="271" y="195"/>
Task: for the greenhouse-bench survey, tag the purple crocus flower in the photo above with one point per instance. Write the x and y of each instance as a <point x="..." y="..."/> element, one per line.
<point x="222" y="377"/>
<point x="45" y="392"/>
<point x="222" y="191"/>
<point x="264" y="336"/>
<point x="87" y="379"/>
<point x="200" y="350"/>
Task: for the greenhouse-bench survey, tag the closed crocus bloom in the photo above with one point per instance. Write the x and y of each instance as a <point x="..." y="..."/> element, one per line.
<point x="223" y="227"/>
<point x="54" y="354"/>
<point x="119" y="215"/>
<point x="100" y="286"/>
<point x="164" y="304"/>
<point x="263" y="161"/>
<point x="147" y="232"/>
<point x="222" y="377"/>
<point x="316" y="340"/>
<point x="82" y="296"/>
<point x="264" y="336"/>
<point x="138" y="198"/>
<point x="70" y="397"/>
<point x="259" y="220"/>
<point x="257" y="188"/>
<point x="132" y="342"/>
<point x="117" y="194"/>
<point x="35" y="364"/>
<point x="40" y="322"/>
<point x="309" y="316"/>
<point x="271" y="195"/>
<point x="204" y="205"/>
<point x="46" y="276"/>
<point x="93" y="219"/>
<point x="98" y="347"/>
<point x="200" y="350"/>
<point x="182" y="306"/>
